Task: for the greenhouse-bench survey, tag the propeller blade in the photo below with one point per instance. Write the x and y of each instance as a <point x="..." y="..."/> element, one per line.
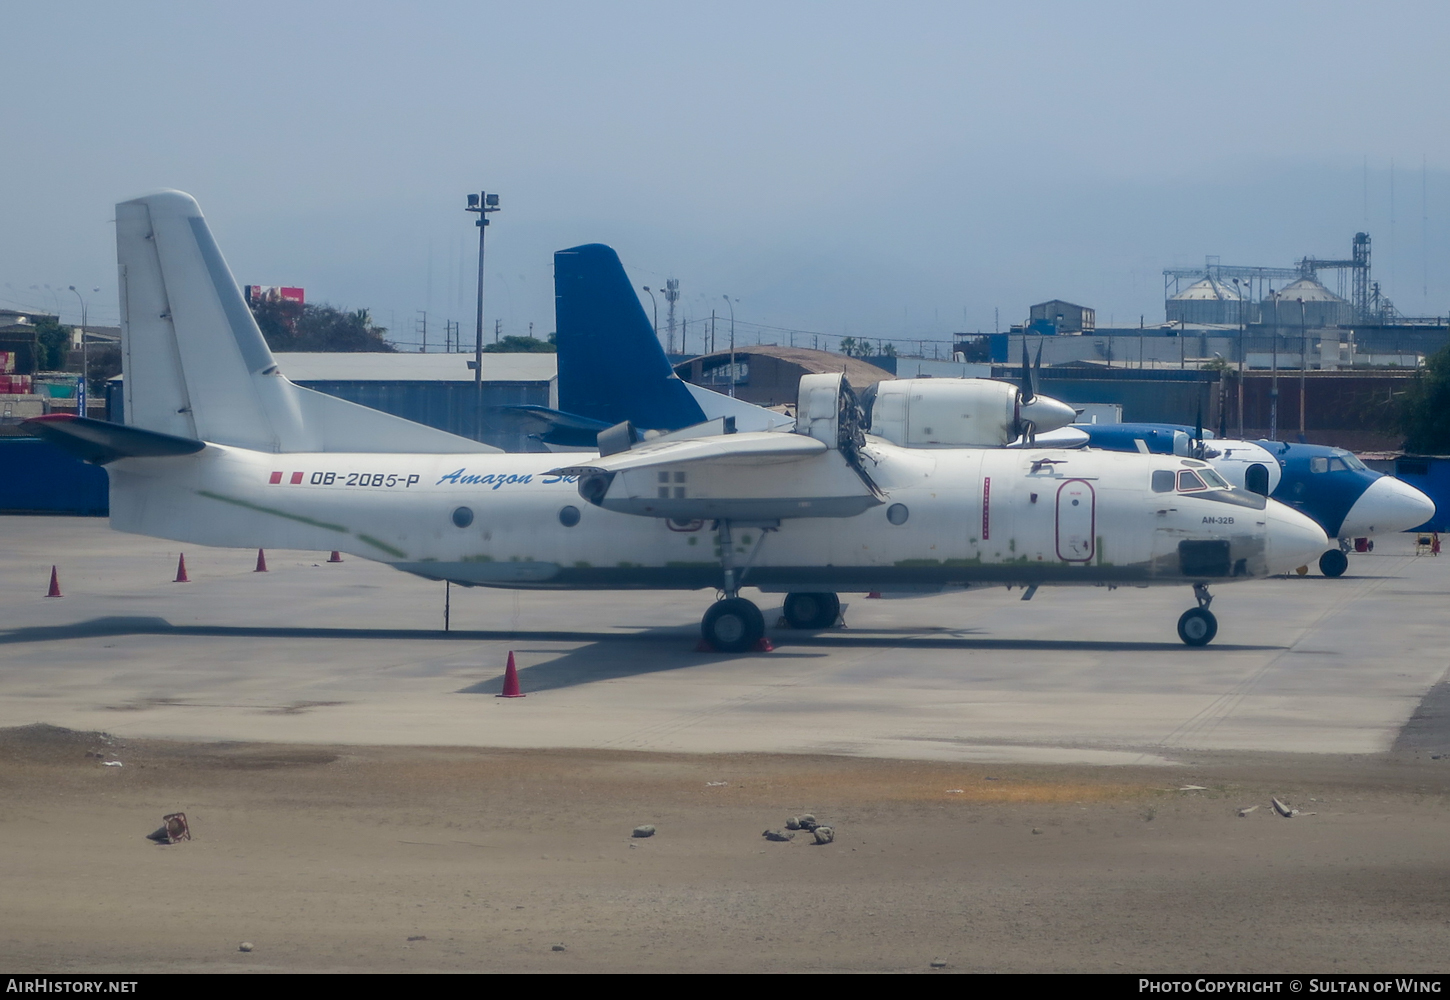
<point x="1026" y="388"/>
<point x="1198" y="446"/>
<point x="1037" y="369"/>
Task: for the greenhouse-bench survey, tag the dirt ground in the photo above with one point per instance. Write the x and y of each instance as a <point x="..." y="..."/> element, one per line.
<point x="397" y="859"/>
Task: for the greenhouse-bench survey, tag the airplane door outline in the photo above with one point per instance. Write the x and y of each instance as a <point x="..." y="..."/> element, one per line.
<point x="1076" y="511"/>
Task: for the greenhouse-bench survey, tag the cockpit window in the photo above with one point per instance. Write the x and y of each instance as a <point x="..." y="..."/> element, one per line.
<point x="1352" y="462"/>
<point x="1337" y="465"/>
<point x="1189" y="481"/>
<point x="1163" y="480"/>
<point x="1319" y="465"/>
<point x="1213" y="478"/>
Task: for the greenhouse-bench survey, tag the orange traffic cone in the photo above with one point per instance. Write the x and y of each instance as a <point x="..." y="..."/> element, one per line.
<point x="261" y="562"/>
<point x="54" y="585"/>
<point x="181" y="576"/>
<point x="511" y="680"/>
<point x="334" y="557"/>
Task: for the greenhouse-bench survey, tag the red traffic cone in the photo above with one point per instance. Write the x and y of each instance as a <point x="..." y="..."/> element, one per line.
<point x="54" y="585"/>
<point x="875" y="595"/>
<point x="334" y="557"/>
<point x="261" y="562"/>
<point x="511" y="680"/>
<point x="764" y="645"/>
<point x="181" y="576"/>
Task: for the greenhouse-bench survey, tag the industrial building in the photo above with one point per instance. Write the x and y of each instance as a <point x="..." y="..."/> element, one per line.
<point x="1060" y="318"/>
<point x="433" y="389"/>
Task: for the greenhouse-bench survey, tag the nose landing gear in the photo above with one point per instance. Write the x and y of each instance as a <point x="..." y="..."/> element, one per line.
<point x="1197" y="626"/>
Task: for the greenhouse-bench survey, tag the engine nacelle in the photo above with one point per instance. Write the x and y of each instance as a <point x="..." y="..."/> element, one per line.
<point x="958" y="413"/>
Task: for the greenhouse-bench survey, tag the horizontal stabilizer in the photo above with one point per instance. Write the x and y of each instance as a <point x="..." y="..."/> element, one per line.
<point x="555" y="418"/>
<point x="100" y="441"/>
<point x="553" y="427"/>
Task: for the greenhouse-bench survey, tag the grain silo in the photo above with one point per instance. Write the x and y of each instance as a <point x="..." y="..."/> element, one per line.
<point x="1321" y="307"/>
<point x="1205" y="302"/>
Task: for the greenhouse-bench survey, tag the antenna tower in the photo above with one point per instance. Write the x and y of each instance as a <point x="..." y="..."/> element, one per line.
<point x="672" y="295"/>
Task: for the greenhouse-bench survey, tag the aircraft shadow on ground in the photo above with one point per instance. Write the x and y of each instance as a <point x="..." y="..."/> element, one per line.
<point x="611" y="655"/>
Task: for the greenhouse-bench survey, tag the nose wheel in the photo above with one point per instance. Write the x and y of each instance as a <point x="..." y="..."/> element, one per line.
<point x="1197" y="626"/>
<point x="733" y="625"/>
<point x="1333" y="563"/>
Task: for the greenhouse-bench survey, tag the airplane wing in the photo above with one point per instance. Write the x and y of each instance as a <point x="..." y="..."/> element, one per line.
<point x="762" y="475"/>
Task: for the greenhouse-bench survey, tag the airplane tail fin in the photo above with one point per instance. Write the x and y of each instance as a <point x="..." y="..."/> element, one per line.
<point x="196" y="365"/>
<point x="611" y="365"/>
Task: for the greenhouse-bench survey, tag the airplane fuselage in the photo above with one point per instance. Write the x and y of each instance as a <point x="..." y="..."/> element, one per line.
<point x="950" y="517"/>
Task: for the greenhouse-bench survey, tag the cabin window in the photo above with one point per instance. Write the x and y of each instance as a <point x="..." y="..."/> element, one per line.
<point x="1319" y="465"/>
<point x="569" y="516"/>
<point x="1163" y="480"/>
<point x="897" y="513"/>
<point x="1188" y="482"/>
<point x="463" y="516"/>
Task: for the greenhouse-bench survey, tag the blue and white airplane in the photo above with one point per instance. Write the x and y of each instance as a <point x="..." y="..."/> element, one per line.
<point x="1350" y="501"/>
<point x="220" y="448"/>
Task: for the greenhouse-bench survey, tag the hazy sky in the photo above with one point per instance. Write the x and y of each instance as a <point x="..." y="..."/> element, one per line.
<point x="896" y="170"/>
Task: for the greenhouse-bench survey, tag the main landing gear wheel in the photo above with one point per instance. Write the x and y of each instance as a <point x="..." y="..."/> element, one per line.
<point x="812" y="610"/>
<point x="1197" y="627"/>
<point x="1333" y="563"/>
<point x="733" y="625"/>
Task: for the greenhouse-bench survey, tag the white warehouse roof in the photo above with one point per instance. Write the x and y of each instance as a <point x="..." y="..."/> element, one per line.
<point x="412" y="367"/>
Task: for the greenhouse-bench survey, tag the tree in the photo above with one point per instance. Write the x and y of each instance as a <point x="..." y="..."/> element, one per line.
<point x="53" y="344"/>
<point x="513" y="344"/>
<point x="849" y="346"/>
<point x="291" y="326"/>
<point x="1425" y="408"/>
<point x="103" y="363"/>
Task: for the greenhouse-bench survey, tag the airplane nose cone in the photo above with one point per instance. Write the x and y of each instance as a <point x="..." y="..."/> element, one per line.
<point x="1048" y="414"/>
<point x="1293" y="539"/>
<point x="1388" y="505"/>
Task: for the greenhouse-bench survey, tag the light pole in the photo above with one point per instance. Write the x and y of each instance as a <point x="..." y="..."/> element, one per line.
<point x="1243" y="333"/>
<point x="1274" y="375"/>
<point x="1304" y="363"/>
<point x="656" y="306"/>
<point x="481" y="204"/>
<point x="85" y="355"/>
<point x="732" y="343"/>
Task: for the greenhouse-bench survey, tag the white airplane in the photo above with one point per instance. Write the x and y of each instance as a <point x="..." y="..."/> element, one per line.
<point x="221" y="449"/>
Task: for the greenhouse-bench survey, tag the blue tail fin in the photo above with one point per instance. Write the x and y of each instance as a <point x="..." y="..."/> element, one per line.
<point x="611" y="365"/>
